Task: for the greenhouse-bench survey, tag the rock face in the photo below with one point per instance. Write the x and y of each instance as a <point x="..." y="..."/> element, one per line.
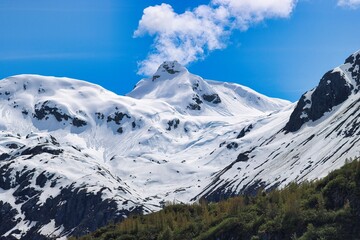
<point x="73" y="210"/>
<point x="354" y="69"/>
<point x="171" y="67"/>
<point x="8" y="213"/>
<point x="334" y="88"/>
<point x="213" y="98"/>
<point x="37" y="194"/>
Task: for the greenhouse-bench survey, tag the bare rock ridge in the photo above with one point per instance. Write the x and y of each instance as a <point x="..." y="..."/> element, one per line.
<point x="168" y="70"/>
<point x="334" y="88"/>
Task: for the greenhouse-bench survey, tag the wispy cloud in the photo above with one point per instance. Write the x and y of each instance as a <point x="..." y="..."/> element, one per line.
<point x="349" y="3"/>
<point x="192" y="35"/>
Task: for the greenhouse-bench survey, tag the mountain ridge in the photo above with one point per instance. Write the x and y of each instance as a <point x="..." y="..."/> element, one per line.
<point x="190" y="94"/>
<point x="76" y="144"/>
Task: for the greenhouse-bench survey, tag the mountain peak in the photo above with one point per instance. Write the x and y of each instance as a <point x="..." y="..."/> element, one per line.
<point x="334" y="88"/>
<point x="168" y="70"/>
<point x="192" y="95"/>
<point x="354" y="58"/>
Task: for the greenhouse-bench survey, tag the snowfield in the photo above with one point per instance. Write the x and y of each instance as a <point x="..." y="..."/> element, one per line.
<point x="74" y="156"/>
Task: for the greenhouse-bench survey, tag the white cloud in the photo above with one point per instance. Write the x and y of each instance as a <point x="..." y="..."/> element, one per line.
<point x="183" y="37"/>
<point x="247" y="12"/>
<point x="191" y="35"/>
<point x="349" y="3"/>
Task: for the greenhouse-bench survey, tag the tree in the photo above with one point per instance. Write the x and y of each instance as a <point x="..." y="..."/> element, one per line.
<point x="167" y="234"/>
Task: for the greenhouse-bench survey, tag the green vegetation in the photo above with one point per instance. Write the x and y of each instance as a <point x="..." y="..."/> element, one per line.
<point x="324" y="209"/>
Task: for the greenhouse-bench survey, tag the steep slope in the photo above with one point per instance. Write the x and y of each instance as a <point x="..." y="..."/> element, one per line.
<point x="73" y="154"/>
<point x="323" y="209"/>
<point x="306" y="143"/>
<point x="50" y="189"/>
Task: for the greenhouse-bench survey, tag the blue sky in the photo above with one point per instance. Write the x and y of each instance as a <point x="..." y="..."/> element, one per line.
<point x="282" y="55"/>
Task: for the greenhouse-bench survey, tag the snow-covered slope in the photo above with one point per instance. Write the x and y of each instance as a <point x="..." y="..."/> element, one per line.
<point x="192" y="95"/>
<point x="301" y="144"/>
<point x="68" y="144"/>
<point x="74" y="156"/>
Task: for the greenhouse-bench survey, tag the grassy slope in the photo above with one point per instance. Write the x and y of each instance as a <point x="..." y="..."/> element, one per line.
<point x="325" y="209"/>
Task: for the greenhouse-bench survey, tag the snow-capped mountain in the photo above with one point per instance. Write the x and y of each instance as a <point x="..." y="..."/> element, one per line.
<point x="74" y="156"/>
<point x="301" y="143"/>
<point x="191" y="95"/>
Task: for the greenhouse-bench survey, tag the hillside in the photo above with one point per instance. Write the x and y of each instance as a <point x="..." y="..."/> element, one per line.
<point x="323" y="209"/>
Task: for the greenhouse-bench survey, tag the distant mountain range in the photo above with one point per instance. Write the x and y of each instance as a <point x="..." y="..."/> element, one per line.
<point x="74" y="156"/>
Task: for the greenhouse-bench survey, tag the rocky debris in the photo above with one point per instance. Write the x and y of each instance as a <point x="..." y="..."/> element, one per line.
<point x="193" y="106"/>
<point x="99" y="116"/>
<point x="155" y="77"/>
<point x="77" y="122"/>
<point x="212" y="98"/>
<point x="47" y="108"/>
<point x="196" y="104"/>
<point x="232" y="145"/>
<point x="117" y="117"/>
<point x="173" y="124"/>
<point x="244" y="131"/>
<point x="40" y="149"/>
<point x="195" y="86"/>
<point x="170" y="67"/>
